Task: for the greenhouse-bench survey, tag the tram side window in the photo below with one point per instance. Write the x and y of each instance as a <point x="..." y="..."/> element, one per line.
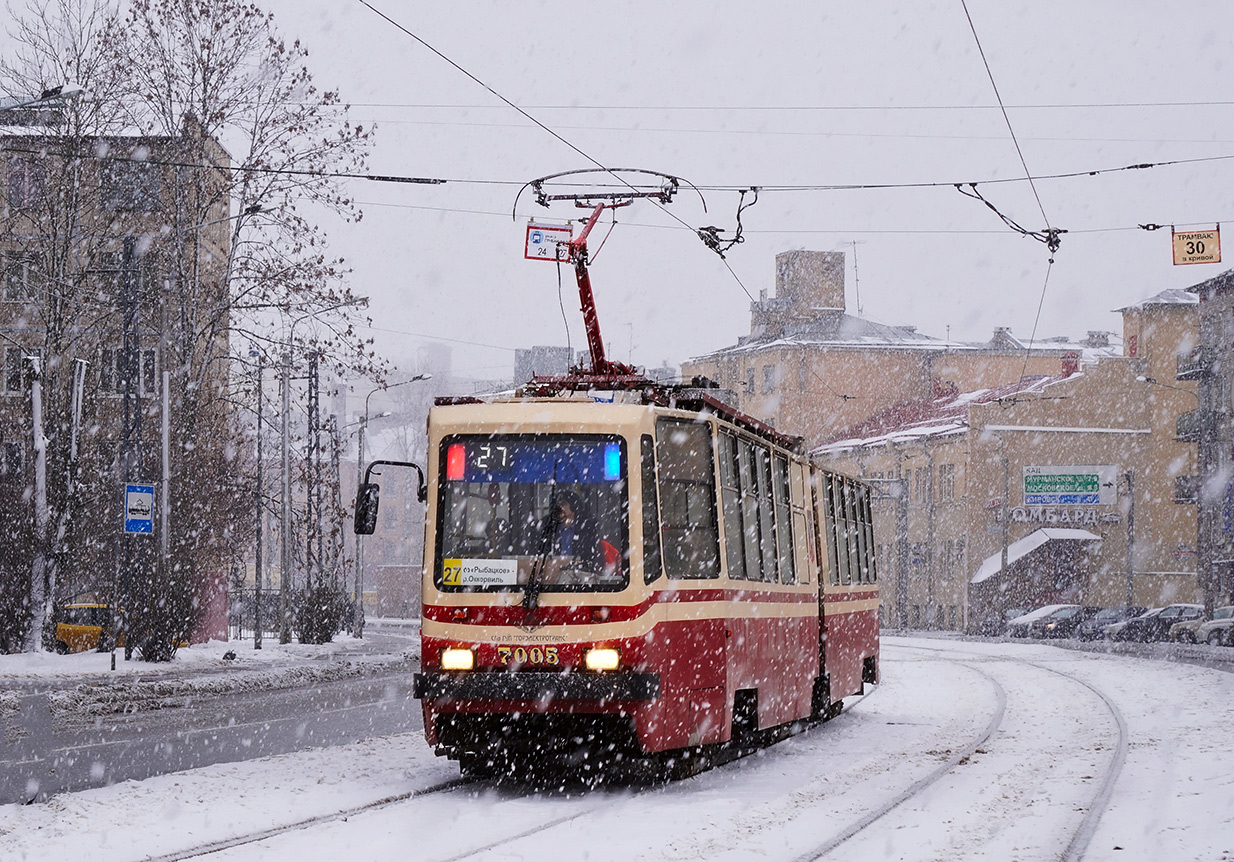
<point x="730" y="496"/>
<point x="766" y="515"/>
<point x="802" y="538"/>
<point x="747" y="477"/>
<point x="870" y="559"/>
<point x="861" y="569"/>
<point x="841" y="536"/>
<point x="784" y="530"/>
<point x="652" y="566"/>
<point x="851" y="532"/>
<point x="829" y="526"/>
<point x="687" y="499"/>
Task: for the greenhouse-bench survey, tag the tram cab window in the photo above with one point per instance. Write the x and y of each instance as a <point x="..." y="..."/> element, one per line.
<point x="513" y="503"/>
<point x="686" y="465"/>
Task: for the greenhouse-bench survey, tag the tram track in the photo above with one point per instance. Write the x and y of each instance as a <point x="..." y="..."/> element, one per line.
<point x="213" y="847"/>
<point x="921" y="784"/>
<point x="640" y="793"/>
<point x="1081" y="837"/>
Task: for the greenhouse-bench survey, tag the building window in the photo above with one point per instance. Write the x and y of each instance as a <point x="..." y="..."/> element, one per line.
<point x="946" y="482"/>
<point x="11" y="453"/>
<point x="769" y="379"/>
<point x="112" y="373"/>
<point x="130" y="186"/>
<point x="13" y="359"/>
<point x="27" y="181"/>
<point x="20" y="276"/>
<point x="749" y="381"/>
<point x="149" y="373"/>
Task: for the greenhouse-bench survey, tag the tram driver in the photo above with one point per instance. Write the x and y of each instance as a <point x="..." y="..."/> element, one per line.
<point x="572" y="533"/>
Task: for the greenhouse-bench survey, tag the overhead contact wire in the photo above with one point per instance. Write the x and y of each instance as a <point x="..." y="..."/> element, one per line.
<point x="556" y="136"/>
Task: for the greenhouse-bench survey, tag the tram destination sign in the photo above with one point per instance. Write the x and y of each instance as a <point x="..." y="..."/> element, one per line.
<point x="1071" y="485"/>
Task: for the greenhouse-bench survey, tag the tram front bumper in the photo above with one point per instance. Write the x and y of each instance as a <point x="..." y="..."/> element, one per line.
<point x="537" y="686"/>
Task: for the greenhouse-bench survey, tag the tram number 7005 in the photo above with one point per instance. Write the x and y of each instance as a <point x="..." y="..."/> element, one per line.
<point x="528" y="655"/>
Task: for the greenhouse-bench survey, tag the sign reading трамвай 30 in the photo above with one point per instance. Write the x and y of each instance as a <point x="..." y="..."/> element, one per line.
<point x="1071" y="486"/>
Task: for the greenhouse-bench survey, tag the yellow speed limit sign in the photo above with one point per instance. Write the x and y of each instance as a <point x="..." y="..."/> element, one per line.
<point x="1197" y="246"/>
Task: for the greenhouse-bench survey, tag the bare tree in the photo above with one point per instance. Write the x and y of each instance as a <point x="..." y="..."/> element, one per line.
<point x="205" y="142"/>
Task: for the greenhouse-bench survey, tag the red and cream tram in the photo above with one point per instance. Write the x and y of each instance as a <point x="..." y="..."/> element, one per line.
<point x="622" y="573"/>
<point x="640" y="580"/>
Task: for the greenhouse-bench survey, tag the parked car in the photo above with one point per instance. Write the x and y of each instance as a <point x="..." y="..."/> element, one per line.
<point x="997" y="626"/>
<point x="1217" y="632"/>
<point x="1154" y="625"/>
<point x="1062" y="623"/>
<point x="79" y="626"/>
<point x="1114" y="632"/>
<point x="1019" y="627"/>
<point x="1094" y="629"/>
<point x="1185" y="632"/>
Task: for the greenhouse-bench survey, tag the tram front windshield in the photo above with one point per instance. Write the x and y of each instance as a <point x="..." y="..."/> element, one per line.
<point x="549" y="507"/>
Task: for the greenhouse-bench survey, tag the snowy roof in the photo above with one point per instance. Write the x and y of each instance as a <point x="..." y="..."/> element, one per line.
<point x="849" y="332"/>
<point x="993" y="564"/>
<point x="946" y="413"/>
<point x="1170" y="296"/>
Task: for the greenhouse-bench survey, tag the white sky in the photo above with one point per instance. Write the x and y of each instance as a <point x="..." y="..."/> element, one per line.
<point x="688" y="88"/>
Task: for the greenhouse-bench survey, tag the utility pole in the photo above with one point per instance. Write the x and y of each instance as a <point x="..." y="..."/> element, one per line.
<point x="130" y="429"/>
<point x="41" y="598"/>
<point x="285" y="580"/>
<point x="1130" y="537"/>
<point x="261" y="510"/>
<point x="313" y="496"/>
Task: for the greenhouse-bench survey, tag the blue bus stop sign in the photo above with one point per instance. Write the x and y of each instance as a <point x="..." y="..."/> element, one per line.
<point x="139" y="508"/>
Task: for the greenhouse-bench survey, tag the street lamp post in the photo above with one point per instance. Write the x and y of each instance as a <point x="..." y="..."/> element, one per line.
<point x="358" y="624"/>
<point x="285" y="526"/>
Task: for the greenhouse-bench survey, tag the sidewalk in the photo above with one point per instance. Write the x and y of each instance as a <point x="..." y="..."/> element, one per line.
<point x="83" y="685"/>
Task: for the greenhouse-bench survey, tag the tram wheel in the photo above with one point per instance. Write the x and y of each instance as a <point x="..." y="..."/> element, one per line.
<point x="477" y="766"/>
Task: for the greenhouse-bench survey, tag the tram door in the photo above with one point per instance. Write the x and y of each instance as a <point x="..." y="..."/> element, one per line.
<point x="690" y="551"/>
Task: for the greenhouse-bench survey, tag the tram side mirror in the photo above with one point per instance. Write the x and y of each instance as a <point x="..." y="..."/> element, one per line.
<point x="367" y="500"/>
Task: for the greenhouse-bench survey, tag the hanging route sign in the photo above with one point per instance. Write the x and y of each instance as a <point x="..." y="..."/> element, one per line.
<point x="1071" y="486"/>
<point x="548" y="242"/>
<point x="1197" y="246"/>
<point x="139" y="509"/>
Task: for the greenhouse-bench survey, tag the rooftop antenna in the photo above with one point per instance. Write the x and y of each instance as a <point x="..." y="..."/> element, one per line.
<point x="856" y="277"/>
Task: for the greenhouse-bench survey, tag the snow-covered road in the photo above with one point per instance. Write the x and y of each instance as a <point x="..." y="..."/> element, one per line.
<point x="995" y="751"/>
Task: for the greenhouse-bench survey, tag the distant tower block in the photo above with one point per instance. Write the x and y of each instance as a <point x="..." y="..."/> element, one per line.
<point x="811" y="281"/>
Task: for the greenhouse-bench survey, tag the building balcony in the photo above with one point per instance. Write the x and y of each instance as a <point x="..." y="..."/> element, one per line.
<point x="1187" y="490"/>
<point x="1193" y="365"/>
<point x="1187" y="427"/>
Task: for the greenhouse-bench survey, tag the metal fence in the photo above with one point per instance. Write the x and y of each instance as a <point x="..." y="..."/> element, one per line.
<point x="242" y="613"/>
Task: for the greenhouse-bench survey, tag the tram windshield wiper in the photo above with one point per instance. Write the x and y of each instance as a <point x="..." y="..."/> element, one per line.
<point x="531" y="594"/>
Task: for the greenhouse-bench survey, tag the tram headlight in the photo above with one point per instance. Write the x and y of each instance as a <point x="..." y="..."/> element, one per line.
<point x="602" y="658"/>
<point x="457" y="658"/>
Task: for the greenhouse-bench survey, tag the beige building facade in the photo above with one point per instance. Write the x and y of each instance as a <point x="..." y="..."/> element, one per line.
<point x="1078" y="487"/>
<point x="811" y="369"/>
